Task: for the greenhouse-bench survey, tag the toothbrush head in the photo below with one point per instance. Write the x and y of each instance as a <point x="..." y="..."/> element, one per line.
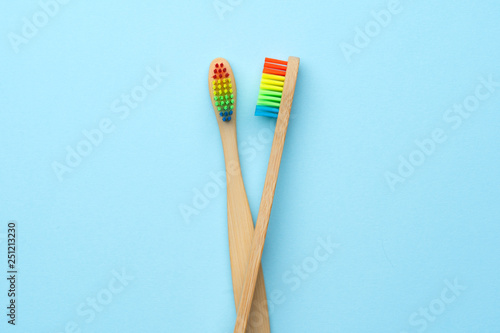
<point x="222" y="89"/>
<point x="271" y="88"/>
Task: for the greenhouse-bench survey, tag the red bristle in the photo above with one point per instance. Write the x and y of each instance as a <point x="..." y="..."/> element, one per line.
<point x="217" y="65"/>
<point x="215" y="76"/>
<point x="220" y="75"/>
<point x="273" y="71"/>
<point x="275" y="61"/>
<point x="215" y="71"/>
<point x="227" y="74"/>
<point x="220" y="70"/>
<point x="221" y="64"/>
<point x="224" y="70"/>
<point x="273" y="66"/>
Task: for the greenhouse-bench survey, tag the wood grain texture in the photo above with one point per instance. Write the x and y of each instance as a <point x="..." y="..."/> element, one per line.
<point x="239" y="218"/>
<point x="266" y="202"/>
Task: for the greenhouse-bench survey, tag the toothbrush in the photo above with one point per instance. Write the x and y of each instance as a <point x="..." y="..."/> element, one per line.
<point x="222" y="88"/>
<point x="275" y="100"/>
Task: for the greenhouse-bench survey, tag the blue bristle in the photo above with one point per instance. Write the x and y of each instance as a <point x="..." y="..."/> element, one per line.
<point x="266" y="114"/>
<point x="266" y="111"/>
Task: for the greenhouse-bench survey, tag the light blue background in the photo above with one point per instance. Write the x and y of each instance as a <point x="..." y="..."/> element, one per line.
<point x="119" y="209"/>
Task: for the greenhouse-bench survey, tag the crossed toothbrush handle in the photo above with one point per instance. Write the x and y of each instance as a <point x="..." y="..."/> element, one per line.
<point x="266" y="202"/>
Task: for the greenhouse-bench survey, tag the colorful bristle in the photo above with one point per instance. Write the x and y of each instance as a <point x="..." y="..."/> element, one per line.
<point x="271" y="88"/>
<point x="223" y="91"/>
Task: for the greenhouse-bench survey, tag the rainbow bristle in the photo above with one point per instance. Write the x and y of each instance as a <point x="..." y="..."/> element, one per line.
<point x="271" y="88"/>
<point x="223" y="92"/>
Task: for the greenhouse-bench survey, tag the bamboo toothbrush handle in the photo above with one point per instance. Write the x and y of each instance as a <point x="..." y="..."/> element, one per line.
<point x="240" y="232"/>
<point x="267" y="196"/>
<point x="240" y="224"/>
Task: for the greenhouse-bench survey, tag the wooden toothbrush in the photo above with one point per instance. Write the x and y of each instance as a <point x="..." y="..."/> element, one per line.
<point x="275" y="99"/>
<point x="222" y="88"/>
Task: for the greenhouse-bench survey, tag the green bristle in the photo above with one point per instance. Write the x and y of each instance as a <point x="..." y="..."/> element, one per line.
<point x="270" y="93"/>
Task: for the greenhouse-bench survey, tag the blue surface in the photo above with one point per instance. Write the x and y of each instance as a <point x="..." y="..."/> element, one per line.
<point x="416" y="249"/>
